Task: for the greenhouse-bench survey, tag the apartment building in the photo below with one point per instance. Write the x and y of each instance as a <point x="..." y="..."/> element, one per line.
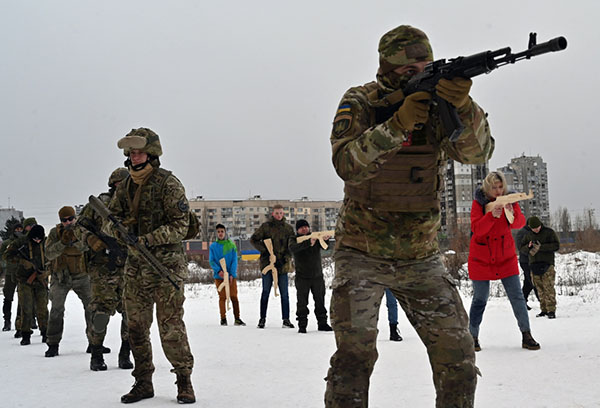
<point x="243" y="217"/>
<point x="530" y="173"/>
<point x="8" y="213"/>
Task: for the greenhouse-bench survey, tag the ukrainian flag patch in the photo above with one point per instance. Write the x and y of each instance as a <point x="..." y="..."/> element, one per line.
<point x="343" y="109"/>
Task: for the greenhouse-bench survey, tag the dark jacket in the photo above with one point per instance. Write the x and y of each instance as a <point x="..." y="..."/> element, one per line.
<point x="523" y="255"/>
<point x="549" y="244"/>
<point x="307" y="258"/>
<point x="279" y="232"/>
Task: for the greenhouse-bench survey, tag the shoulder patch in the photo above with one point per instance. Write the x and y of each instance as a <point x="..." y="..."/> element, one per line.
<point x="183" y="205"/>
<point x="342" y="120"/>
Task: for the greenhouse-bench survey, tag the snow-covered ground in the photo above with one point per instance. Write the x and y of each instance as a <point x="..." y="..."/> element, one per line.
<point x="276" y="367"/>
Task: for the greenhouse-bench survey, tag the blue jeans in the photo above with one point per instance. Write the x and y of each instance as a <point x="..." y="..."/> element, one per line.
<point x="392" y="306"/>
<point x="282" y="283"/>
<point x="481" y="292"/>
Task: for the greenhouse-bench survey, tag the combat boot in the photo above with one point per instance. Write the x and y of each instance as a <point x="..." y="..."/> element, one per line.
<point x="97" y="360"/>
<point x="142" y="389"/>
<point x="261" y="323"/>
<point x="105" y="350"/>
<point x="26" y="340"/>
<point x="124" y="361"/>
<point x="476" y="344"/>
<point x="52" y="350"/>
<point x="287" y="323"/>
<point x="323" y="326"/>
<point x="185" y="391"/>
<point x="395" y="333"/>
<point x="6" y="326"/>
<point x="529" y="343"/>
<point x="302" y="323"/>
<point x="18" y="334"/>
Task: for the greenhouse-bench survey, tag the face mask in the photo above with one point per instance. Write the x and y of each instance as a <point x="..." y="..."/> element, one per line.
<point x="393" y="80"/>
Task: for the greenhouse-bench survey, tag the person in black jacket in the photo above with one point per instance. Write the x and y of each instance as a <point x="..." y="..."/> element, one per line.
<point x="524" y="263"/>
<point x="309" y="277"/>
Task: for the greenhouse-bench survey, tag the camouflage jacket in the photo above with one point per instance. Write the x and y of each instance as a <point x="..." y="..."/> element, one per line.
<point x="279" y="232"/>
<point x="66" y="259"/>
<point x="161" y="217"/>
<point x="361" y="148"/>
<point x="32" y="250"/>
<point x="10" y="268"/>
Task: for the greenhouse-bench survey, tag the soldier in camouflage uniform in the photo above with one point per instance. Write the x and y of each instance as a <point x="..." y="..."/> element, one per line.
<point x="106" y="274"/>
<point x="152" y="204"/>
<point x="279" y="231"/>
<point x="65" y="249"/>
<point x="387" y="227"/>
<point x="28" y="253"/>
<point x="10" y="280"/>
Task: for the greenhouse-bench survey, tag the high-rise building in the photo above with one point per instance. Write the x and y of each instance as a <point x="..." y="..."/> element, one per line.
<point x="530" y="173"/>
<point x="243" y="217"/>
<point x="461" y="180"/>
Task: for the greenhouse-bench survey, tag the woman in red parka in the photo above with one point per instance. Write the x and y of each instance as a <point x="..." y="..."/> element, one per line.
<point x="492" y="256"/>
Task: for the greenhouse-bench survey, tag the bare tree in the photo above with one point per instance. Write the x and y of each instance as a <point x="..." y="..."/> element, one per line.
<point x="563" y="220"/>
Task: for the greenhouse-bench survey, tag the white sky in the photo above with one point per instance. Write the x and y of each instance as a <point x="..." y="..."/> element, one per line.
<point x="242" y="94"/>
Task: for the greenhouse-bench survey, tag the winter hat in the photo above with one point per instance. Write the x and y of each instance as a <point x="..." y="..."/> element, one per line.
<point x="534" y="222"/>
<point x="37" y="231"/>
<point x="65" y="212"/>
<point x="29" y="222"/>
<point x="301" y="223"/>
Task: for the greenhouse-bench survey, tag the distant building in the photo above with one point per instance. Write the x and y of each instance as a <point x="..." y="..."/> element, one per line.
<point x="243" y="217"/>
<point x="530" y="173"/>
<point x="461" y="180"/>
<point x="8" y="213"/>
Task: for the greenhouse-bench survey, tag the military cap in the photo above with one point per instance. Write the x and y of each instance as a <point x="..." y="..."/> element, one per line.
<point x="402" y="46"/>
<point x="143" y="139"/>
<point x="66" y="211"/>
<point x="534" y="222"/>
<point x="119" y="174"/>
<point x="29" y="221"/>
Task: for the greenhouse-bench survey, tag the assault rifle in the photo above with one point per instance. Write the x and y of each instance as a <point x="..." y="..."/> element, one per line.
<point x="319" y="236"/>
<point x="131" y="239"/>
<point x="116" y="256"/>
<point x="37" y="272"/>
<point x="465" y="67"/>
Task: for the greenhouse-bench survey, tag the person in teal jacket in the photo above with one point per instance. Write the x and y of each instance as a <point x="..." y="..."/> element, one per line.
<point x="224" y="248"/>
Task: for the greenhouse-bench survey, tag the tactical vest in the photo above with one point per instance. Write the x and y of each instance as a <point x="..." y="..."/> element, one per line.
<point x="409" y="181"/>
<point x="151" y="213"/>
<point x="70" y="259"/>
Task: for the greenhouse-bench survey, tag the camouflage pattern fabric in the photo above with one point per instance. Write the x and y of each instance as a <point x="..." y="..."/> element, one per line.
<point x="428" y="296"/>
<point x="402" y="46"/>
<point x="545" y="288"/>
<point x="359" y="153"/>
<point x="69" y="272"/>
<point x="279" y="232"/>
<point x="106" y="285"/>
<point x="32" y="296"/>
<point x="162" y="217"/>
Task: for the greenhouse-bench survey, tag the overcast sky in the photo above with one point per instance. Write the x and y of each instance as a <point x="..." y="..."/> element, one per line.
<point x="243" y="93"/>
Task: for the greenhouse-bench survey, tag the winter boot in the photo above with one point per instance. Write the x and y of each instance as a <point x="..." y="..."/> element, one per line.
<point x="261" y="323"/>
<point x="142" y="389"/>
<point x="6" y="326"/>
<point x="395" y="333"/>
<point x="551" y="315"/>
<point x="97" y="361"/>
<point x="52" y="350"/>
<point x="302" y="323"/>
<point x="541" y="314"/>
<point x="323" y="326"/>
<point x="124" y="361"/>
<point x="223" y="322"/>
<point x="18" y="334"/>
<point x="105" y="350"/>
<point x="185" y="391"/>
<point x="238" y="322"/>
<point x="44" y="337"/>
<point x="26" y="340"/>
<point x="287" y="323"/>
<point x="529" y="343"/>
<point x="476" y="345"/>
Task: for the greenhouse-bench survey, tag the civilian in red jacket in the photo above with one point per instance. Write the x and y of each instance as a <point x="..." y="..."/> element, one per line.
<point x="492" y="256"/>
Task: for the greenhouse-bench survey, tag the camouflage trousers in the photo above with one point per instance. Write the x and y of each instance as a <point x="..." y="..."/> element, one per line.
<point x="33" y="297"/>
<point x="107" y="298"/>
<point x="143" y="289"/>
<point x="58" y="295"/>
<point x="428" y="296"/>
<point x="545" y="288"/>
